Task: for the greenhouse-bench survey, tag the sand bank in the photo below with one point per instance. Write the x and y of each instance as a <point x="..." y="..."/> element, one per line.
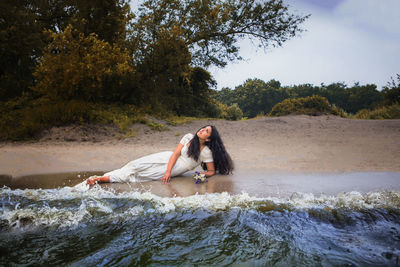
<point x="290" y="144"/>
<point x="286" y="145"/>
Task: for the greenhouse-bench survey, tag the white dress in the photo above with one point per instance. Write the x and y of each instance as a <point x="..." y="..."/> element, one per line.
<point x="154" y="166"/>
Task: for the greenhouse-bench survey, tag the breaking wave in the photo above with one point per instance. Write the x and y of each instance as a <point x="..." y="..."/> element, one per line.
<point x="220" y="228"/>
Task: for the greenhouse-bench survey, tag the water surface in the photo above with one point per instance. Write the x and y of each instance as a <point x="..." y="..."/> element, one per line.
<point x="120" y="225"/>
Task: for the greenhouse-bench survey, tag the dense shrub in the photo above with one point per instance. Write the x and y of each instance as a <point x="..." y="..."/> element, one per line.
<point x="24" y="118"/>
<point x="385" y="112"/>
<point x="311" y="105"/>
<point x="15" y="119"/>
<point x="232" y="112"/>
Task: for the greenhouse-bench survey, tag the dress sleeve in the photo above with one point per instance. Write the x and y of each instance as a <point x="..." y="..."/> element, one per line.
<point x="206" y="155"/>
<point x="186" y="139"/>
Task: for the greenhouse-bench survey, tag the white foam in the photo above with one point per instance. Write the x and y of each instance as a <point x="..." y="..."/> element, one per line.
<point x="97" y="201"/>
<point x="20" y="218"/>
<point x="82" y="186"/>
<point x="351" y="200"/>
<point x="214" y="201"/>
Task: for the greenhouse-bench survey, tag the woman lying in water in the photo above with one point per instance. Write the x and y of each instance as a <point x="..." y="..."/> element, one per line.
<point x="205" y="148"/>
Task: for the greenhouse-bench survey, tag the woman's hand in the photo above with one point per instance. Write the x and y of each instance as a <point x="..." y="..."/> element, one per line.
<point x="92" y="180"/>
<point x="171" y="162"/>
<point x="166" y="177"/>
<point x="97" y="179"/>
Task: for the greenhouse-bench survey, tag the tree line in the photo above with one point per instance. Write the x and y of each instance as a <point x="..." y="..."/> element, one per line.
<point x="257" y="97"/>
<point x="101" y="52"/>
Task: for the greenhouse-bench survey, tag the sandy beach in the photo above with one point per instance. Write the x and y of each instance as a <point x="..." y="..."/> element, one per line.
<point x="265" y="147"/>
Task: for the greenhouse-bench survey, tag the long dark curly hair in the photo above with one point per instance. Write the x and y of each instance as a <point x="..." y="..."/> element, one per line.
<point x="222" y="161"/>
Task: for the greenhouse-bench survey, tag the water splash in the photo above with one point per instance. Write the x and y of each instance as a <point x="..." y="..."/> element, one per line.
<point x="68" y="206"/>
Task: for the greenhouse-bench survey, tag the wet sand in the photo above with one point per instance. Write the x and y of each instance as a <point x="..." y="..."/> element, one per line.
<point x="255" y="183"/>
<point x="273" y="156"/>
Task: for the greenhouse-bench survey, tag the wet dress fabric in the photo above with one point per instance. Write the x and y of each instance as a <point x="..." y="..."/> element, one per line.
<point x="154" y="166"/>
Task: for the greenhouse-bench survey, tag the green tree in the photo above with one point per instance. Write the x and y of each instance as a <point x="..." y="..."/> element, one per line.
<point x="164" y="72"/>
<point x="53" y="15"/>
<point x="211" y="29"/>
<point x="254" y="97"/>
<point x="168" y="82"/>
<point x="337" y="94"/>
<point x="75" y="66"/>
<point x="23" y="36"/>
<point x="363" y="97"/>
<point x="250" y="97"/>
<point x="391" y="92"/>
<point x="303" y="90"/>
<point x="21" y="44"/>
<point x="226" y="96"/>
<point x="108" y="19"/>
<point x="168" y="36"/>
<point x="201" y="84"/>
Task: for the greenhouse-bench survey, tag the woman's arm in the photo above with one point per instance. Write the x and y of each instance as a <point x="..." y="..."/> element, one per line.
<point x="172" y="160"/>
<point x="210" y="169"/>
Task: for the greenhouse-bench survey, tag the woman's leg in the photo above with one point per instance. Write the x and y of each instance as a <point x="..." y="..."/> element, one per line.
<point x="97" y="180"/>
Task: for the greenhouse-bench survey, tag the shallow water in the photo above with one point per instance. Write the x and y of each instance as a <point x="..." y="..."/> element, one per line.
<point x="101" y="226"/>
<point x="260" y="184"/>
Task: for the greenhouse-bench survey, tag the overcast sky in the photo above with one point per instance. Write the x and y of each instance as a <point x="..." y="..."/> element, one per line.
<point x="346" y="41"/>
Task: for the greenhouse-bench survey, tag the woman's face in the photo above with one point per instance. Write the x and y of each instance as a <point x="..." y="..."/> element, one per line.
<point x="204" y="133"/>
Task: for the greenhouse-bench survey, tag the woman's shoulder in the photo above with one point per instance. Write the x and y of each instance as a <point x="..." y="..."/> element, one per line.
<point x="206" y="154"/>
<point x="186" y="138"/>
<point x="206" y="150"/>
<point x="188" y="135"/>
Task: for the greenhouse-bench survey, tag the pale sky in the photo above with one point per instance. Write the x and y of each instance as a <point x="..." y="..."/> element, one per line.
<point x="346" y="41"/>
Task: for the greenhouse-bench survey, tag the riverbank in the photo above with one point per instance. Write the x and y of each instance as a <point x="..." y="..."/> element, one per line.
<point x="294" y="144"/>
